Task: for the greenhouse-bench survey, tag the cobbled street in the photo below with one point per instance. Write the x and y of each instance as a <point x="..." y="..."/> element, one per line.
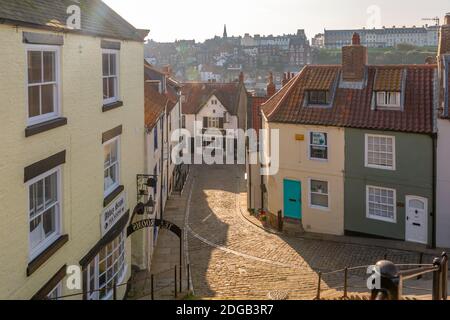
<point x="231" y="258"/>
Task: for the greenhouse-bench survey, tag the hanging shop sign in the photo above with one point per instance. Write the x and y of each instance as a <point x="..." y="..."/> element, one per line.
<point x="112" y="214"/>
<point x="150" y="223"/>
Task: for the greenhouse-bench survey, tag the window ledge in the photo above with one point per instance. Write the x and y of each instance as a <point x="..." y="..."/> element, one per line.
<point x="112" y="106"/>
<point x="34" y="265"/>
<point x="45" y="126"/>
<point x="108" y="199"/>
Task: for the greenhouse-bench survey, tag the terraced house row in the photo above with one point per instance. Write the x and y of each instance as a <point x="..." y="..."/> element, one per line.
<point x="363" y="149"/>
<point x="76" y="133"/>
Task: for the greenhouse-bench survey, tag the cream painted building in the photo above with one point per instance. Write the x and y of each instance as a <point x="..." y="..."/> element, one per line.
<point x="162" y="117"/>
<point x="72" y="144"/>
<point x="311" y="159"/>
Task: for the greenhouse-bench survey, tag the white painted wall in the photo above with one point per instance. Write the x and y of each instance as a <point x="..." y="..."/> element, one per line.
<point x="443" y="185"/>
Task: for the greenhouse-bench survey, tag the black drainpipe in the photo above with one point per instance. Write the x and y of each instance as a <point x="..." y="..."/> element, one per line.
<point x="434" y="152"/>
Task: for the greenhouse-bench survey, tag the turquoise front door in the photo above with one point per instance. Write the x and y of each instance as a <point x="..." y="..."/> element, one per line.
<point x="292" y="191"/>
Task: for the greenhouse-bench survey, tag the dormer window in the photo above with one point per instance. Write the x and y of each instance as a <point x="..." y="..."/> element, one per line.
<point x="318" y="97"/>
<point x="388" y="99"/>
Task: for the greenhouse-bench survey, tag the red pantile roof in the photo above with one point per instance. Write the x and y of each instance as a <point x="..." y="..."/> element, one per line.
<point x="155" y="104"/>
<point x="322" y="79"/>
<point x="388" y="79"/>
<point x="352" y="107"/>
<point x="198" y="93"/>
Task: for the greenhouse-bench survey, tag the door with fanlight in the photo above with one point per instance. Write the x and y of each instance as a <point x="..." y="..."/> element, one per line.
<point x="416" y="219"/>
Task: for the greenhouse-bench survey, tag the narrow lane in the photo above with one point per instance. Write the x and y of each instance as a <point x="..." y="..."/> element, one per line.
<point x="232" y="259"/>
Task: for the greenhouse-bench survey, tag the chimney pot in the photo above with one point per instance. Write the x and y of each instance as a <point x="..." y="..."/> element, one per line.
<point x="444" y="36"/>
<point x="356" y="39"/>
<point x="271" y="89"/>
<point x="447" y="18"/>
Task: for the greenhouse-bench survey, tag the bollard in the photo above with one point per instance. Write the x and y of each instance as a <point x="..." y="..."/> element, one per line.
<point x="420" y="262"/>
<point x="152" y="287"/>
<point x="389" y="282"/>
<point x="437" y="279"/>
<point x="280" y="221"/>
<point x="181" y="278"/>
<point x="188" y="277"/>
<point x="345" y="283"/>
<point x="318" y="286"/>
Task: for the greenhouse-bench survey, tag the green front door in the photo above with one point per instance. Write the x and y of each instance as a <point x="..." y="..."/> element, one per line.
<point x="292" y="194"/>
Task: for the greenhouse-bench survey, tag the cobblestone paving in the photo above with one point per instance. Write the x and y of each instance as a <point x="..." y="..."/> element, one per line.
<point x="232" y="259"/>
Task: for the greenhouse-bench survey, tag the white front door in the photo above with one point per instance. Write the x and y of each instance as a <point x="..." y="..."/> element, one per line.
<point x="416" y="219"/>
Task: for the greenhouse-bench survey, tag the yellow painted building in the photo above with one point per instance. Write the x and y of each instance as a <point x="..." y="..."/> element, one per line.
<point x="72" y="143"/>
<point x="320" y="175"/>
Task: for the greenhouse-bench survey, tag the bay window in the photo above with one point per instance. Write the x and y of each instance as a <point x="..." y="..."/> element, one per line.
<point x="106" y="270"/>
<point x="42" y="83"/>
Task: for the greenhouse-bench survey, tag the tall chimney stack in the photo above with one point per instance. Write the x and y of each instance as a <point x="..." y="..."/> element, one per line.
<point x="354" y="60"/>
<point x="444" y="36"/>
<point x="285" y="79"/>
<point x="271" y="89"/>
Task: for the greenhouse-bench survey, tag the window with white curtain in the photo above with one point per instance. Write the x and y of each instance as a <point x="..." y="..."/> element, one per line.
<point x="111" y="166"/>
<point x="388" y="99"/>
<point x="44" y="211"/>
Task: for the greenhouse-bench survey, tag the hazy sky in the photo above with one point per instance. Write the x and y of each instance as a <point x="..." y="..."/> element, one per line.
<point x="169" y="20"/>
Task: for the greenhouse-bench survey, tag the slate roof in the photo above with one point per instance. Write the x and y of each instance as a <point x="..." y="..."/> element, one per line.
<point x="352" y="107"/>
<point x="152" y="73"/>
<point x="96" y="17"/>
<point x="197" y="95"/>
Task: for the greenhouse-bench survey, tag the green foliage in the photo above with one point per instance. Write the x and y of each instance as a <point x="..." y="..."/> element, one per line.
<point x="402" y="54"/>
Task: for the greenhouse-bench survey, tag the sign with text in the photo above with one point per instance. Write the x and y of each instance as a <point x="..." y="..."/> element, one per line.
<point x="150" y="223"/>
<point x="112" y="214"/>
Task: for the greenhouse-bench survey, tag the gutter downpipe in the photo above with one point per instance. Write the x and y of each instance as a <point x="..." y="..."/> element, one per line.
<point x="434" y="152"/>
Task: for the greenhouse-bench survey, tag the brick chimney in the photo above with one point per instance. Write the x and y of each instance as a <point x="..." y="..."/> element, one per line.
<point x="271" y="89"/>
<point x="444" y="36"/>
<point x="285" y="79"/>
<point x="354" y="60"/>
<point x="167" y="70"/>
<point x="241" y="77"/>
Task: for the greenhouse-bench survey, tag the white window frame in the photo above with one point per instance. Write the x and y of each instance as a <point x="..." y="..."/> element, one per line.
<point x="372" y="217"/>
<point x="384" y="97"/>
<point x="313" y="206"/>
<point x="35" y="252"/>
<point x="117" y="85"/>
<point x="96" y="262"/>
<point x="113" y="187"/>
<point x="212" y="121"/>
<point x="57" y="94"/>
<point x="310" y="145"/>
<point x="366" y="151"/>
<point x="56" y="290"/>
